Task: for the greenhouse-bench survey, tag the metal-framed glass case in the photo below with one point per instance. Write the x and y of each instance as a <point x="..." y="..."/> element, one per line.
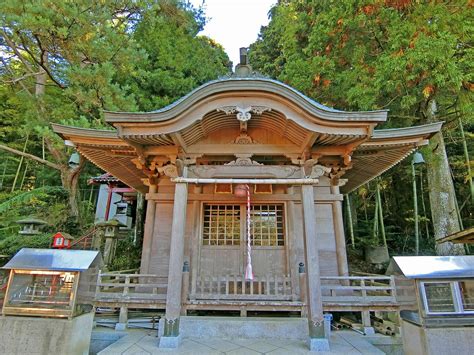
<point x="51" y="283"/>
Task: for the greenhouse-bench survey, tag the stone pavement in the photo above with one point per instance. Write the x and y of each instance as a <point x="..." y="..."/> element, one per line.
<point x="145" y="342"/>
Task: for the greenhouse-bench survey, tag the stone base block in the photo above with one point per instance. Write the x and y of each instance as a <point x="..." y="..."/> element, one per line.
<point x="369" y="331"/>
<point x="121" y="326"/>
<point x="169" y="342"/>
<point x="234" y="327"/>
<point x="35" y="335"/>
<point x="318" y="344"/>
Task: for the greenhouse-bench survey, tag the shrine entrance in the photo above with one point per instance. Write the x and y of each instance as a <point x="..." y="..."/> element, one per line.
<point x="223" y="243"/>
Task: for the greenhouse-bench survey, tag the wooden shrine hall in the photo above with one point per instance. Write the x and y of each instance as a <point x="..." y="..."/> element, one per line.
<point x="198" y="159"/>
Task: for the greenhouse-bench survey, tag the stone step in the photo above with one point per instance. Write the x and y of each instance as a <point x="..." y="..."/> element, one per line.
<point x="235" y="327"/>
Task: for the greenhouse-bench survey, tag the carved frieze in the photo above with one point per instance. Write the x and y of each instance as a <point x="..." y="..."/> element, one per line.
<point x="244" y="113"/>
<point x="169" y="170"/>
<point x="241" y="171"/>
<point x="244" y="138"/>
<point x="243" y="161"/>
<point x="318" y="171"/>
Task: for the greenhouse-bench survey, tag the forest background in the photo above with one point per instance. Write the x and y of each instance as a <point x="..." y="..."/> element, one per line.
<point x="66" y="62"/>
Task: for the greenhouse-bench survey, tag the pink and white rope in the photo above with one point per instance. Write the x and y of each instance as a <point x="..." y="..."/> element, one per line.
<point x="248" y="268"/>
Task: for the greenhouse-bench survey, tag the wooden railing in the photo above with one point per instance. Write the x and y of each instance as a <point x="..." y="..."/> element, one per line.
<point x="84" y="242"/>
<point x="116" y="287"/>
<point x="270" y="287"/>
<point x="361" y="290"/>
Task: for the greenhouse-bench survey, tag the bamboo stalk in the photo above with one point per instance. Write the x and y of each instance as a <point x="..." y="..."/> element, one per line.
<point x="382" y="225"/>
<point x="4" y="172"/>
<point x="375" y="233"/>
<point x="20" y="164"/>
<point x="424" y="206"/>
<point x="24" y="175"/>
<point x="349" y="216"/>
<point x="466" y="156"/>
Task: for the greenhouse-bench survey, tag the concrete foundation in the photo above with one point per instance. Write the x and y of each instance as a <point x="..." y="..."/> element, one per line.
<point x="233" y="327"/>
<point x="34" y="335"/>
<point x="318" y="344"/>
<point x="433" y="341"/>
<point x="170" y="342"/>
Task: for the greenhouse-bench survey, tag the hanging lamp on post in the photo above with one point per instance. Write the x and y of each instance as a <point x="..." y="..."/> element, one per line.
<point x="416" y="159"/>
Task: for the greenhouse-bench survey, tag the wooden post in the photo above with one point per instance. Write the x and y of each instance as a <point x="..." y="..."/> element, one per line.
<point x="123" y="318"/>
<point x="171" y="338"/>
<point x="339" y="233"/>
<point x="148" y="231"/>
<point x="368" y="329"/>
<point x="303" y="289"/>
<point x="317" y="340"/>
<point x="185" y="288"/>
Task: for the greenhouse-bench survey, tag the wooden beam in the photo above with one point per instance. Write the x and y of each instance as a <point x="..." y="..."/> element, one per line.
<point x="178" y="140"/>
<point x="257" y="198"/>
<point x="300" y="181"/>
<point x="255" y="149"/>
<point x="161" y="150"/>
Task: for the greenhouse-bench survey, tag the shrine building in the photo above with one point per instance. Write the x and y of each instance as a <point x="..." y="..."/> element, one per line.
<point x="201" y="158"/>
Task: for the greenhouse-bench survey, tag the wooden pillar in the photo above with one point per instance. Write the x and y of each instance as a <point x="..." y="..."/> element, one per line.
<point x="171" y="338"/>
<point x="341" y="255"/>
<point x="368" y="329"/>
<point x="185" y="288"/>
<point x="148" y="232"/>
<point x="317" y="340"/>
<point x="123" y="318"/>
<point x="303" y="289"/>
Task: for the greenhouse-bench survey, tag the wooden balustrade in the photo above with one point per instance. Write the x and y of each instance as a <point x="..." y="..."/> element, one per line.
<point x="235" y="287"/>
<point x="113" y="287"/>
<point x="362" y="290"/>
<point x="338" y="292"/>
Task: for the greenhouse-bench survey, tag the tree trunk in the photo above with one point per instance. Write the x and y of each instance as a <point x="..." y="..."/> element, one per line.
<point x="70" y="181"/>
<point x="441" y="191"/>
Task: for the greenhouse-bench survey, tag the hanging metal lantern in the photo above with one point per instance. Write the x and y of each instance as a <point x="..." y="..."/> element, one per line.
<point x="74" y="160"/>
<point x="417" y="158"/>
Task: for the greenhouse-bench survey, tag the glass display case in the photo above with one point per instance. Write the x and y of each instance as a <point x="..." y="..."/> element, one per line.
<point x="435" y="290"/>
<point x="51" y="283"/>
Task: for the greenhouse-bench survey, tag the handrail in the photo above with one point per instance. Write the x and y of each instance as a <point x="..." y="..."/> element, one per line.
<point x="89" y="234"/>
<point x="359" y="289"/>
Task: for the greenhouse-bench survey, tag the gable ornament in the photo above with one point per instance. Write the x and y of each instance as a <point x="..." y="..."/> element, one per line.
<point x="243" y="114"/>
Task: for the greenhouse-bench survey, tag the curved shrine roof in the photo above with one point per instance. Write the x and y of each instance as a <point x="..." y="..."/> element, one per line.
<point x="252" y="117"/>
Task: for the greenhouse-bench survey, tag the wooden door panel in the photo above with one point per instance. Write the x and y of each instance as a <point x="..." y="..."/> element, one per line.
<point x="269" y="261"/>
<point x="216" y="260"/>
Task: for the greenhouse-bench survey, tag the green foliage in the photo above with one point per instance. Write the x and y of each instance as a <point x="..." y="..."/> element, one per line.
<point x="396" y="55"/>
<point x="29" y="198"/>
<point x="13" y="243"/>
<point x="127" y="256"/>
<point x="66" y="62"/>
<point x="366" y="55"/>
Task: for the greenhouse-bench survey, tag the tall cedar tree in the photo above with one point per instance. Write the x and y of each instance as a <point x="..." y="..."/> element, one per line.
<point x="412" y="57"/>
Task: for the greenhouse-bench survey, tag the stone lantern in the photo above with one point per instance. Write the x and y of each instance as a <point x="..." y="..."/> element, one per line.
<point x="110" y="231"/>
<point x="31" y="226"/>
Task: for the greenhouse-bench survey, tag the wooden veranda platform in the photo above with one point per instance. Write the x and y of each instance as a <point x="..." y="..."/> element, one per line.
<point x="231" y="293"/>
